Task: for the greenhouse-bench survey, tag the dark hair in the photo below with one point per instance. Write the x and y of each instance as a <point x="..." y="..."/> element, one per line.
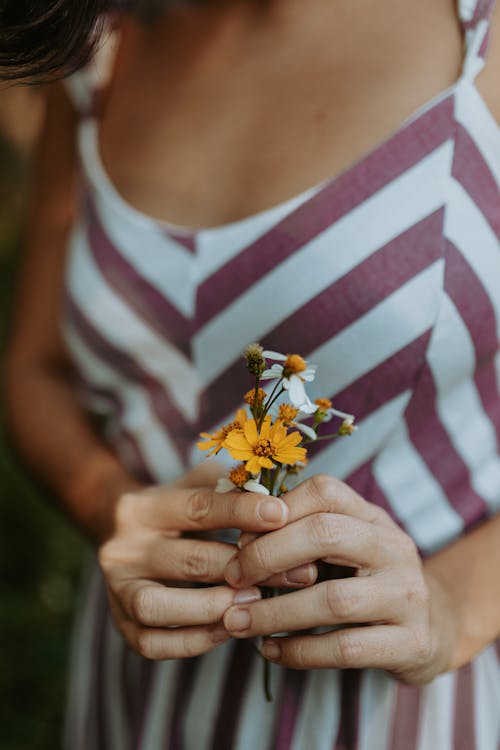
<point x="42" y="40"/>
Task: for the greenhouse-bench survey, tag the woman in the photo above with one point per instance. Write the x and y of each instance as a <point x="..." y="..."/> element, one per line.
<point x="144" y="282"/>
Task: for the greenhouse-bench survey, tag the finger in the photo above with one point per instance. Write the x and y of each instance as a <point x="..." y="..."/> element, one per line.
<point x="374" y="647"/>
<point x="178" y="643"/>
<point x="193" y="560"/>
<point x="334" y="538"/>
<point x="323" y="493"/>
<point x="152" y="605"/>
<point x="304" y="575"/>
<point x="181" y="509"/>
<point x="346" y="601"/>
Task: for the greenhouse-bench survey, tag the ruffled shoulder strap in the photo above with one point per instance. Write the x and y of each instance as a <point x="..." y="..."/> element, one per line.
<point x="475" y="16"/>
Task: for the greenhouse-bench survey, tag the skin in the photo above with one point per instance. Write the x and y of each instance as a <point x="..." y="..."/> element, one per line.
<point x="162" y="153"/>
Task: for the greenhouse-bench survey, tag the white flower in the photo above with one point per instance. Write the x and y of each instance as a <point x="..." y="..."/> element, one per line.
<point x="294" y="372"/>
<point x="225" y="485"/>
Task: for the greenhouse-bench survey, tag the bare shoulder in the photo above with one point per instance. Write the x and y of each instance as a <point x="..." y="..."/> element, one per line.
<point x="488" y="81"/>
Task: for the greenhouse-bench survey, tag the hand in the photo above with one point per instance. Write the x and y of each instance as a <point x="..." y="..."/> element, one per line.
<point x="393" y="616"/>
<point x="160" y="620"/>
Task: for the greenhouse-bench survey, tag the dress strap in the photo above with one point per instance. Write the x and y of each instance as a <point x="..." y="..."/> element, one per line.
<point x="475" y="16"/>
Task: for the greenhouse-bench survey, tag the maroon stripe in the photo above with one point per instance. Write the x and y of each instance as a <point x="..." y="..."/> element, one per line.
<point x="406" y="719"/>
<point x="477" y="312"/>
<point x="137" y="293"/>
<point x="338" y="306"/>
<point x="128" y="367"/>
<point x="292" y="691"/>
<point x="464" y="735"/>
<point x="348" y="731"/>
<point x="472" y="171"/>
<point x="341" y="195"/>
<point x="233" y="694"/>
<point x="188" y="240"/>
<point x="364" y="483"/>
<point x="438" y="452"/>
<point x="184" y="682"/>
<point x="145" y="693"/>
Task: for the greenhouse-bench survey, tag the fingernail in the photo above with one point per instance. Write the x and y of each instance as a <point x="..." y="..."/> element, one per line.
<point x="301" y="575"/>
<point x="270" y="649"/>
<point x="219" y="634"/>
<point x="247" y="596"/>
<point x="233" y="571"/>
<point x="271" y="511"/>
<point x="237" y="619"/>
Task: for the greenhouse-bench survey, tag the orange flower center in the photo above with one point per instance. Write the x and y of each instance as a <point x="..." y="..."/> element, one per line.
<point x="288" y="413"/>
<point x="264" y="448"/>
<point x="239" y="475"/>
<point x="323" y="403"/>
<point x="249" y="397"/>
<point x="294" y="364"/>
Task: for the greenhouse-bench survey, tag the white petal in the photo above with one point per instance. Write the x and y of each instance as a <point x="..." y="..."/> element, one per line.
<point x="308" y="407"/>
<point x="276" y="371"/>
<point x="304" y="428"/>
<point x="309" y="373"/>
<point x="253" y="486"/>
<point x="341" y="414"/>
<point x="275" y="355"/>
<point x="224" y="485"/>
<point x="296" y="391"/>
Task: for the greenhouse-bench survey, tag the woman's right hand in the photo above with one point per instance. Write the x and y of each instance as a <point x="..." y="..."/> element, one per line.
<point x="147" y="561"/>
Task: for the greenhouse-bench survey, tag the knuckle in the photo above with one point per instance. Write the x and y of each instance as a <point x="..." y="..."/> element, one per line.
<point x="324" y="487"/>
<point x="340" y="601"/>
<point x="143" y="606"/>
<point x="417" y="595"/>
<point x="422" y="644"/>
<point x="126" y="509"/>
<point x="260" y="555"/>
<point x="109" y="556"/>
<point x="198" y="564"/>
<point x="199" y="505"/>
<point x="349" y="648"/>
<point x="189" y="646"/>
<point x="325" y="529"/>
<point x="408" y="547"/>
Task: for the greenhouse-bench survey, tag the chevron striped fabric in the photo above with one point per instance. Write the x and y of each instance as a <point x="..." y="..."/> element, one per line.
<point x="388" y="277"/>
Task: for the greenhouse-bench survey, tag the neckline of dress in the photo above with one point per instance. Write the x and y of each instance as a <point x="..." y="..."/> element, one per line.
<point x="102" y="182"/>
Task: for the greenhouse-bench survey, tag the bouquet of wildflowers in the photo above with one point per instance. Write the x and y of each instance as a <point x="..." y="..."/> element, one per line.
<point x="268" y="436"/>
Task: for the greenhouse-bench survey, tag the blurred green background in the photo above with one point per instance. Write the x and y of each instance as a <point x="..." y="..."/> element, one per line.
<point x="40" y="554"/>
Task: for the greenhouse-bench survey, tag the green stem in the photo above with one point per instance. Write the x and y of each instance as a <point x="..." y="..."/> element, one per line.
<point x="323" y="437"/>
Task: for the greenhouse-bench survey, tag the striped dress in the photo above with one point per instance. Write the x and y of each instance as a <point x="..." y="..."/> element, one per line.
<point x="386" y="276"/>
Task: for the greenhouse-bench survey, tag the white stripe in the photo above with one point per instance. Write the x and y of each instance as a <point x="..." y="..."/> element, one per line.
<point x="156" y="446"/>
<point x="345" y="455"/>
<point x="386" y="329"/>
<point x="204" y="701"/>
<point x="117" y="322"/>
<point x="417" y="193"/>
<point x="415" y="496"/>
<point x="436" y="728"/>
<point x="163" y="689"/>
<point x="452" y="361"/>
<point x="467" y="9"/>
<point x="218" y="246"/>
<point x="378" y="693"/>
<point x="318" y="720"/>
<point x="256" y="722"/>
<point x="474" y="238"/>
<point x="164" y="263"/>
<point x="476" y="117"/>
<point x="117" y="723"/>
<point x="486" y="682"/>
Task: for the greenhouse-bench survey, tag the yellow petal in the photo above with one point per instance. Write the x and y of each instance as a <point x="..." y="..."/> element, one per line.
<point x="250" y="430"/>
<point x="236" y="439"/>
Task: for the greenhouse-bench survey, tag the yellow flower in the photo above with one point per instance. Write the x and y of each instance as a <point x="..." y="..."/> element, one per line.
<point x="215" y="440"/>
<point x="260" y="450"/>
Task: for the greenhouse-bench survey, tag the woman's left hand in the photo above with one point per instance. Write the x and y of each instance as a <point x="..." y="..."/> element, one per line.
<point x="393" y="615"/>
